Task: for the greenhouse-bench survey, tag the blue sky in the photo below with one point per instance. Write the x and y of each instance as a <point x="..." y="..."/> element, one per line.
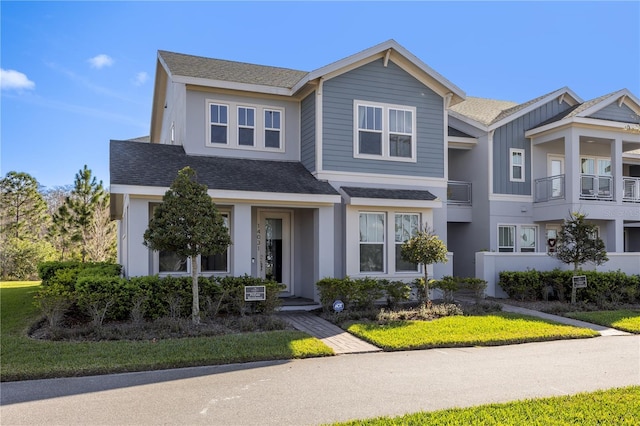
<point x="77" y="74"/>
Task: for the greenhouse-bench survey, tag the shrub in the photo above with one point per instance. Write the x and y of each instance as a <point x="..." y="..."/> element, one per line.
<point x="476" y="285"/>
<point x="332" y="289"/>
<point x="448" y="285"/>
<point x="54" y="301"/>
<point x="98" y="295"/>
<point x="396" y="291"/>
<point x="364" y="292"/>
<point x="525" y="285"/>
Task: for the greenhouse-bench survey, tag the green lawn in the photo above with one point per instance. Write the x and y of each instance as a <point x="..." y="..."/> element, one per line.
<point x="455" y="331"/>
<point x="623" y="319"/>
<point x="612" y="407"/>
<point x="24" y="358"/>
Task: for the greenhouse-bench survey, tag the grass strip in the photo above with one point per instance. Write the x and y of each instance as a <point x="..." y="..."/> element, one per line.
<point x="623" y="319"/>
<point x="458" y="331"/>
<point x="619" y="406"/>
<point x="24" y="358"/>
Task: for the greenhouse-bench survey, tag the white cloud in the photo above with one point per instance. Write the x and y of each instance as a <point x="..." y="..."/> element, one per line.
<point x="141" y="78"/>
<point x="11" y="79"/>
<point x="101" y="61"/>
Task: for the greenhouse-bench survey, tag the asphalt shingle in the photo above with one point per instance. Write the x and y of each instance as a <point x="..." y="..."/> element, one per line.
<point x="390" y="194"/>
<point x="146" y="164"/>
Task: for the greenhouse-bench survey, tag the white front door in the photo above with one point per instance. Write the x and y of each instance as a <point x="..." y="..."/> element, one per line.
<point x="274" y="231"/>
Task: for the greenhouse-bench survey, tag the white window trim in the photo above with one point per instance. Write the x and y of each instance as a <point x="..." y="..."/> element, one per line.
<point x="233" y="126"/>
<point x="265" y="128"/>
<point x="595" y="164"/>
<point x="516" y="237"/>
<point x="384" y="242"/>
<point x="209" y="123"/>
<point x="227" y="271"/>
<point x="386" y="156"/>
<point x="512" y="164"/>
<point x="396" y="243"/>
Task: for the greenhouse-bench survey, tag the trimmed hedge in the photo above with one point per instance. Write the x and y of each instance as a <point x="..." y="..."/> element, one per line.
<point x="97" y="290"/>
<point x="603" y="288"/>
<point x="361" y="293"/>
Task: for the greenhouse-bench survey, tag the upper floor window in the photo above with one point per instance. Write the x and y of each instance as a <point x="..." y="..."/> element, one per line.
<point x="272" y="128"/>
<point x="219" y="122"/>
<point x="516" y="166"/>
<point x="384" y="132"/>
<point x="246" y="126"/>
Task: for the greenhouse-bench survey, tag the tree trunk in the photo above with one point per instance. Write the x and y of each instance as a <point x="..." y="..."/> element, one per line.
<point x="195" y="309"/>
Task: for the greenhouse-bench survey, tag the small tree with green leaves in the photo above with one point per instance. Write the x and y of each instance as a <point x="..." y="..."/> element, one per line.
<point x="578" y="242"/>
<point x="189" y="224"/>
<point x="425" y="248"/>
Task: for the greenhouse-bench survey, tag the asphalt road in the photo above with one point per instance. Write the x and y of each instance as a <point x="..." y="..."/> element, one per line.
<point x="323" y="390"/>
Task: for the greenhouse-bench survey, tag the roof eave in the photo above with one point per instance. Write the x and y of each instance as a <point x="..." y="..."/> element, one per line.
<point x="230" y="85"/>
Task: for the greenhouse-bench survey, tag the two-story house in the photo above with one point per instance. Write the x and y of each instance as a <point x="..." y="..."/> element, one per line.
<point x="532" y="164"/>
<point x="318" y="174"/>
<point x="326" y="173"/>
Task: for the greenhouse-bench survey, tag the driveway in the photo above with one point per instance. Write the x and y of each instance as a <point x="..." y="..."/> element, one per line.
<point x="321" y="390"/>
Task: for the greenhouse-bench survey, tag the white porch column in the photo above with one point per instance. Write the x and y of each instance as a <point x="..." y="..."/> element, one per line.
<point x="616" y="166"/>
<point x="324" y="251"/>
<point x="572" y="165"/>
<point x="139" y="256"/>
<point x="241" y="240"/>
<point x="618" y="236"/>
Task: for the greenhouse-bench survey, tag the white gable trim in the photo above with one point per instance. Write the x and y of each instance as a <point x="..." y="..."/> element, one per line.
<point x="623" y="97"/>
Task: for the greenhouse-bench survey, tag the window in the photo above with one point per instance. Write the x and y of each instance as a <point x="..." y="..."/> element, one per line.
<point x="400" y="133"/>
<point x="517" y="165"/>
<point x="219" y="121"/>
<point x="385" y="132"/>
<point x="246" y="126"/>
<point x="271" y="128"/>
<point x="406" y="227"/>
<point x="526" y="241"/>
<point x="217" y="262"/>
<point x="369" y="130"/>
<point x="169" y="261"/>
<point x="506" y="240"/>
<point x="372" y="229"/>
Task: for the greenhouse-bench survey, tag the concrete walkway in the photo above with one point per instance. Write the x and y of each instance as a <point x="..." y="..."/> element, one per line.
<point x="331" y="335"/>
<point x="604" y="331"/>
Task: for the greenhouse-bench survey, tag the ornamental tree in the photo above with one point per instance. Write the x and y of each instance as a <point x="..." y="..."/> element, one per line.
<point x="578" y="242"/>
<point x="425" y="248"/>
<point x="189" y="224"/>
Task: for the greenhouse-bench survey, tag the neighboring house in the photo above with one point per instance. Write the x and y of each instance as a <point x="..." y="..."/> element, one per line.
<point x="326" y="173"/>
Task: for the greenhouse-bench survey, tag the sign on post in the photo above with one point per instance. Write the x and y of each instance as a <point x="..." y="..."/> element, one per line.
<point x="255" y="293"/>
<point x="579" y="281"/>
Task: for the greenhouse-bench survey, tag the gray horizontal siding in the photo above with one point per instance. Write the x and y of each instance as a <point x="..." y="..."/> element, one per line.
<point x="376" y="83"/>
<point x="308" y="132"/>
<point x="511" y="135"/>
<point x="614" y="112"/>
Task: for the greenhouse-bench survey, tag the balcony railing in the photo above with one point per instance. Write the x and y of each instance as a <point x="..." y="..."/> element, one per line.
<point x="459" y="193"/>
<point x="631" y="190"/>
<point x="596" y="187"/>
<point x="549" y="188"/>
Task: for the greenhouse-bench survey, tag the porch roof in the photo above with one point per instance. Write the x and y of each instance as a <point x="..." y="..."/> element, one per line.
<point x="393" y="194"/>
<point x="156" y="165"/>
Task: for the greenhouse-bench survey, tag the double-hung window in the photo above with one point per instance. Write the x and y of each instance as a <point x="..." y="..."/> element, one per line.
<point x="217" y="262"/>
<point x="372" y="230"/>
<point x="246" y="126"/>
<point x="516" y="166"/>
<point x="272" y="129"/>
<point x="385" y="132"/>
<point x="506" y="239"/>
<point x="406" y="227"/>
<point x="219" y="123"/>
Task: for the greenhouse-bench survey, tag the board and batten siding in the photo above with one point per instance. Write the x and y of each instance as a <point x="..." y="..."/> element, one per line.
<point x="614" y="112"/>
<point x="308" y="132"/>
<point x="391" y="85"/>
<point x="511" y="135"/>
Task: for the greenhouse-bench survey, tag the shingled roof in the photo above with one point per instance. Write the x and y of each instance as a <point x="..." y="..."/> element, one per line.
<point x="238" y="72"/>
<point x="146" y="164"/>
<point x="388" y="194"/>
<point x="482" y="110"/>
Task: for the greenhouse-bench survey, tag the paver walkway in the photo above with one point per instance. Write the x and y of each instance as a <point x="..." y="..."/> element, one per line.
<point x="331" y="335"/>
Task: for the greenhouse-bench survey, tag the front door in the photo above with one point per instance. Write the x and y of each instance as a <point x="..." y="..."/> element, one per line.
<point x="556" y="168"/>
<point x="275" y="252"/>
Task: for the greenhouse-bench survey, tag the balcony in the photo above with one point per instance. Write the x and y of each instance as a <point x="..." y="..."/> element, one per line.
<point x="459" y="193"/>
<point x="592" y="187"/>
<point x="631" y="187"/>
